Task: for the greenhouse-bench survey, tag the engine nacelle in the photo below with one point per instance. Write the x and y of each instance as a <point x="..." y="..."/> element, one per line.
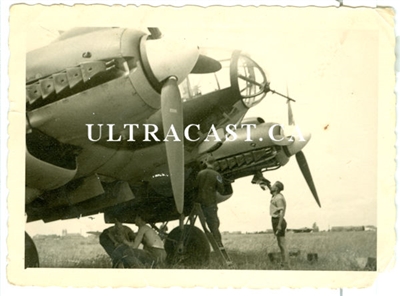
<point x="49" y="163"/>
<point x="41" y="176"/>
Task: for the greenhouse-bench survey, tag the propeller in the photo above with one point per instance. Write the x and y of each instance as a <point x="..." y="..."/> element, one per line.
<point x="295" y="148"/>
<point x="301" y="158"/>
<point x="166" y="64"/>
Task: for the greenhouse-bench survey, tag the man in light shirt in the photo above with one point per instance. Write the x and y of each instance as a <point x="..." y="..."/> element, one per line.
<point x="151" y="241"/>
<point x="277" y="211"/>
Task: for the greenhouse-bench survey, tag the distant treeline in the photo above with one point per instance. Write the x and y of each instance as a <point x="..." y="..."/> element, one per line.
<point x="309" y="230"/>
<point x="353" y="228"/>
<point x="267" y="231"/>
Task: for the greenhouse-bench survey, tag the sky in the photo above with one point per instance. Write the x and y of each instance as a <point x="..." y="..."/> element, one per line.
<point x="328" y="60"/>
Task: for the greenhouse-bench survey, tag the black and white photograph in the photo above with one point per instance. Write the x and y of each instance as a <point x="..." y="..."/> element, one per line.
<point x="230" y="144"/>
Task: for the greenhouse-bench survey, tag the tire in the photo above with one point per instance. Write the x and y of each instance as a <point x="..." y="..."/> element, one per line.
<point x="196" y="248"/>
<point x="31" y="254"/>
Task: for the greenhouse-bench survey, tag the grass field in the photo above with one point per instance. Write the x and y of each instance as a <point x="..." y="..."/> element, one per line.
<point x="336" y="251"/>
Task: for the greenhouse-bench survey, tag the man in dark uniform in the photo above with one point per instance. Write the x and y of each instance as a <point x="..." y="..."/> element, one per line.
<point x="210" y="182"/>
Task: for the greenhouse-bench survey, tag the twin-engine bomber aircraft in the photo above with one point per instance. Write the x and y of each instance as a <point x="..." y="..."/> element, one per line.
<point x="97" y="100"/>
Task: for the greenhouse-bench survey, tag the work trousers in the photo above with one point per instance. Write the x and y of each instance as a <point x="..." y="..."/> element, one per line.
<point x="211" y="215"/>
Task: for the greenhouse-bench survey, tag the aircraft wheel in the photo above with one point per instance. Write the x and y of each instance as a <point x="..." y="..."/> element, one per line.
<point x="31" y="254"/>
<point x="196" y="248"/>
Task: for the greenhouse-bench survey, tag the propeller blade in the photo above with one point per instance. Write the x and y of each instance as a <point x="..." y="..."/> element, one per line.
<point x="155" y="33"/>
<point x="206" y="65"/>
<point x="302" y="162"/>
<point x="290" y="112"/>
<point x="172" y="116"/>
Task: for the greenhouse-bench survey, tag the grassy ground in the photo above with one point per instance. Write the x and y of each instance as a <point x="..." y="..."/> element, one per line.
<point x="336" y="251"/>
<point x="75" y="252"/>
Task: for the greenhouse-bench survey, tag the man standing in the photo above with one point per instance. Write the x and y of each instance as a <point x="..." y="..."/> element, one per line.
<point x="209" y="182"/>
<point x="277" y="212"/>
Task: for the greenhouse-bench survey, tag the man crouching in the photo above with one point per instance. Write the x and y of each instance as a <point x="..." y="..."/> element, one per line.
<point x="122" y="245"/>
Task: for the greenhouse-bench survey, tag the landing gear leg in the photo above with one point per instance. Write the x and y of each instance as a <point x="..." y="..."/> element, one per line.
<point x="181" y="248"/>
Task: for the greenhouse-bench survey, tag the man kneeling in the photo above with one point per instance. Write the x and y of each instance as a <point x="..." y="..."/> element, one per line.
<point x="122" y="245"/>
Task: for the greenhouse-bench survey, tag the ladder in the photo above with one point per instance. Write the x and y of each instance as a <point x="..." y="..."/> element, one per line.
<point x="219" y="249"/>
